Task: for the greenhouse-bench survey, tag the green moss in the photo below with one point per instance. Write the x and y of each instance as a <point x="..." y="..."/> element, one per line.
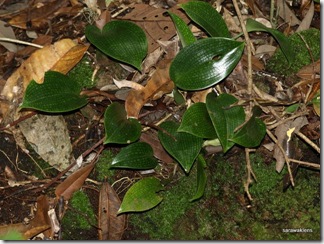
<point x="79" y="218"/>
<point x="267" y="176"/>
<point x="82" y="73"/>
<point x="220" y="215"/>
<point x="101" y="169"/>
<point x="279" y="64"/>
<point x="276" y="210"/>
<point x="172" y="208"/>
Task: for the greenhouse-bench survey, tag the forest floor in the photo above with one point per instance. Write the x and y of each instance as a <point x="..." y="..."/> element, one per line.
<point x="272" y="209"/>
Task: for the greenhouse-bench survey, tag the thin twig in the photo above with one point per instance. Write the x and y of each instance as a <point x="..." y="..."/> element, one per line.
<point x="249" y="173"/>
<point x="248" y="46"/>
<point x="5" y="39"/>
<point x="308" y="141"/>
<point x="40" y="168"/>
<point x="270" y="127"/>
<point x="28" y="115"/>
<point x="316" y="166"/>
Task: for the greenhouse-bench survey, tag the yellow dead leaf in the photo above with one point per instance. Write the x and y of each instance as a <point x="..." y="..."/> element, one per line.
<point x="62" y="56"/>
<point x="289" y="133"/>
<point x="158" y="85"/>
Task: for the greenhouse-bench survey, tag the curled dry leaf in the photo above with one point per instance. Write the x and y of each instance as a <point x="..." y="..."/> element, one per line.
<point x="73" y="182"/>
<point x="62" y="56"/>
<point x="111" y="226"/>
<point x="158" y="85"/>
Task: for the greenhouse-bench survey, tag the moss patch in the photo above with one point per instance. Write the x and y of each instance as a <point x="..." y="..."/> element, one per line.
<point x="278" y="62"/>
<point x="79" y="219"/>
<point x="222" y="214"/>
<point x="174" y="205"/>
<point x="102" y="171"/>
<point x="82" y="73"/>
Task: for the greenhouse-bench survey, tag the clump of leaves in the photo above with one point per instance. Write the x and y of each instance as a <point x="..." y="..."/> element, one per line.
<point x="200" y="64"/>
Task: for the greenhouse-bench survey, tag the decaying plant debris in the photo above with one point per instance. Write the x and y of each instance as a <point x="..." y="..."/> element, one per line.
<point x="39" y="36"/>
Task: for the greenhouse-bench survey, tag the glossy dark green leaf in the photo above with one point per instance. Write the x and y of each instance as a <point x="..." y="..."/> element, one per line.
<point x="121" y="40"/>
<point x="178" y="97"/>
<point x="141" y="196"/>
<point x="225" y="118"/>
<point x="252" y="25"/>
<point x="119" y="129"/>
<point x="201" y="178"/>
<point x="182" y="146"/>
<point x="185" y="34"/>
<point x="196" y="121"/>
<point x="251" y="134"/>
<point x="138" y="155"/>
<point x="207" y="17"/>
<point x="57" y="94"/>
<point x="206" y="62"/>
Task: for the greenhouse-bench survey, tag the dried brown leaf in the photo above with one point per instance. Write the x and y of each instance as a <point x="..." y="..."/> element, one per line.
<point x="70" y="59"/>
<point x="37" y="15"/>
<point x="158" y="150"/>
<point x="61" y="57"/>
<point x="310" y="71"/>
<point x="200" y="96"/>
<point x="155" y="22"/>
<point x="41" y="218"/>
<point x="73" y="182"/>
<point x="159" y="84"/>
<point x="111" y="226"/>
<point x="307" y="20"/>
<point x="286" y="13"/>
<point x="30" y="233"/>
